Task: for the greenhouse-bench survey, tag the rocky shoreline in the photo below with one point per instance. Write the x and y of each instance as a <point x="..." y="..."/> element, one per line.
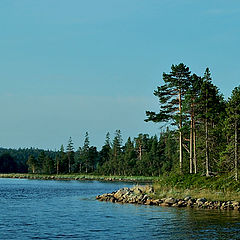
<point x="143" y="195"/>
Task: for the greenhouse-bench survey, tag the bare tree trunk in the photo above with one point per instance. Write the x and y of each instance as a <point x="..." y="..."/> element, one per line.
<point x="180" y="133"/>
<point x="57" y="166"/>
<point x="140" y="152"/>
<point x="191" y="146"/>
<point x="206" y="146"/>
<point x="236" y="150"/>
<point x="194" y="148"/>
<point x="69" y="164"/>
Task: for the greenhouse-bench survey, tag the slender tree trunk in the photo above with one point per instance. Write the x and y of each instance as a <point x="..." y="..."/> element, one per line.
<point x="206" y="134"/>
<point x="180" y="133"/>
<point x="69" y="164"/>
<point x="57" y="166"/>
<point x="191" y="146"/>
<point x="206" y="146"/>
<point x="194" y="147"/>
<point x="140" y="152"/>
<point x="236" y="150"/>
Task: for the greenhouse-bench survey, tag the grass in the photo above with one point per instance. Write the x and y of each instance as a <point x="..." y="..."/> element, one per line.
<point x="219" y="188"/>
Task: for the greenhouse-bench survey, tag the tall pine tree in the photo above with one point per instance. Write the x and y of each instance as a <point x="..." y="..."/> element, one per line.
<point x="171" y="96"/>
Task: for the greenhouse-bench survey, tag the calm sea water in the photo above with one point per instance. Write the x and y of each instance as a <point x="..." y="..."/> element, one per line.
<point x="34" y="209"/>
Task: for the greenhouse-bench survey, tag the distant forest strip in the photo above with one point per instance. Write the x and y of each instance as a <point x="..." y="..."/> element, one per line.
<point x="200" y="136"/>
<point x="78" y="176"/>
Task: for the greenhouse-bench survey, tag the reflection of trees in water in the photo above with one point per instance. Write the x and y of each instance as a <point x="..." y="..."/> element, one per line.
<point x="208" y="224"/>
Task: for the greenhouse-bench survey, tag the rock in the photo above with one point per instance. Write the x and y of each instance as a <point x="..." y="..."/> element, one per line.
<point x="187" y="198"/>
<point x="237" y="208"/>
<point x="235" y="204"/>
<point x="170" y="201"/>
<point x="149" y="189"/>
<point x="112" y="199"/>
<point x="140" y="195"/>
<point x="149" y="202"/>
<point x="164" y="204"/>
<point x="137" y="190"/>
<point x="201" y="201"/>
<point x="157" y="202"/>
<point x="121" y="192"/>
<point x="190" y="202"/>
<point x="181" y="203"/>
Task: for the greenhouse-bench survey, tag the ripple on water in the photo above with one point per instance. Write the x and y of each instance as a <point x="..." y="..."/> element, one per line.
<point x="34" y="209"/>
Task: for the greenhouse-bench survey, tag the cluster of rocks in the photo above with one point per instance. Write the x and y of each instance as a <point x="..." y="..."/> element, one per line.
<point x="142" y="195"/>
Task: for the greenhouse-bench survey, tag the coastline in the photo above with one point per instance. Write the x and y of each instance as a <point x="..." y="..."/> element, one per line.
<point x="80" y="177"/>
<point x="144" y="195"/>
<point x="151" y="193"/>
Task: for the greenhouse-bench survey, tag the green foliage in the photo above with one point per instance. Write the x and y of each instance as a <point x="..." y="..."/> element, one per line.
<point x="7" y="164"/>
<point x="193" y="103"/>
<point x="222" y="182"/>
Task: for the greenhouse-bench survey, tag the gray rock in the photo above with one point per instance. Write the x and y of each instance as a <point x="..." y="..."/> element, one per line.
<point x="170" y="200"/>
<point x="187" y="198"/>
<point x="201" y="201"/>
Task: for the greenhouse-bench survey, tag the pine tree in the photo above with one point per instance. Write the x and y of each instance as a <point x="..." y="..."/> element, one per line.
<point x="85" y="153"/>
<point x="232" y="124"/>
<point x="105" y="152"/>
<point x="70" y="154"/>
<point x="116" y="152"/>
<point x="190" y="105"/>
<point x="32" y="163"/>
<point x="128" y="166"/>
<point x="171" y="96"/>
<point x="210" y="105"/>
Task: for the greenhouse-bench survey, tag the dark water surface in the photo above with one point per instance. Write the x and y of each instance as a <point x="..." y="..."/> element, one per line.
<point x="38" y="209"/>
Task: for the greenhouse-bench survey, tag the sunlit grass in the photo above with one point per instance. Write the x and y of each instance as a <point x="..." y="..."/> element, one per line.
<point x="219" y="188"/>
<point x="210" y="195"/>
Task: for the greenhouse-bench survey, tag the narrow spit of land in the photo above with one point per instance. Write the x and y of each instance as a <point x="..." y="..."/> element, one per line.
<point x="178" y="190"/>
<point x="146" y="195"/>
<point x="80" y="177"/>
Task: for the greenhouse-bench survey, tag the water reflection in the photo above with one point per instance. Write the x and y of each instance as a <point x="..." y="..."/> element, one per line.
<point x="68" y="210"/>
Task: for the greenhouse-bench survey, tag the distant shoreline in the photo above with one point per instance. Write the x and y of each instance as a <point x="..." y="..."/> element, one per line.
<point x="79" y="177"/>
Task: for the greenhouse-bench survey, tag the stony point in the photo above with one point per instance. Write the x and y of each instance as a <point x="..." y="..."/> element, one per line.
<point x="145" y="195"/>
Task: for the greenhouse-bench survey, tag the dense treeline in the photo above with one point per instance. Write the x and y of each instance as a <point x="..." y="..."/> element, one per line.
<point x="15" y="160"/>
<point x="207" y="125"/>
<point x="201" y="135"/>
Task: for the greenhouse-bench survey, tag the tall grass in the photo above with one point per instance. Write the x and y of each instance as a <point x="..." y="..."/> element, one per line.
<point x="218" y="188"/>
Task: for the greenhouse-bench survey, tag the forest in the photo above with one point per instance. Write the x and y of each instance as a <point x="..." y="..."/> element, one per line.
<point x="199" y="135"/>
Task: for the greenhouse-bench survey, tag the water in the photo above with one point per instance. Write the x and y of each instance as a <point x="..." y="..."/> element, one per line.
<point x="35" y="209"/>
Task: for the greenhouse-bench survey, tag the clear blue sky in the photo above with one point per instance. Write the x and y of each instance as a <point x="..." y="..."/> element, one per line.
<point x="71" y="66"/>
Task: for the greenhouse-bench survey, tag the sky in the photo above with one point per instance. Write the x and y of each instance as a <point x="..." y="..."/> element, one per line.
<point x="68" y="67"/>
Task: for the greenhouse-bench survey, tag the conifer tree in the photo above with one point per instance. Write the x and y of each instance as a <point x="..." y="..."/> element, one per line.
<point x="190" y="105"/>
<point x="171" y="96"/>
<point x="104" y="154"/>
<point x="70" y="154"/>
<point x="32" y="163"/>
<point x="233" y="127"/>
<point x="209" y="107"/>
<point x="116" y="152"/>
<point x="85" y="153"/>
